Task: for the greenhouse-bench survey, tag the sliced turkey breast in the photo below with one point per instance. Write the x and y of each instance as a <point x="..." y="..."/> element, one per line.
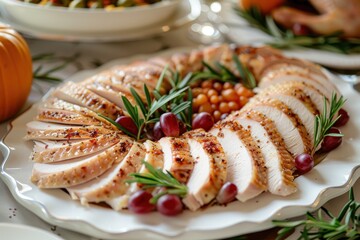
<point x="245" y="162"/>
<point x="79" y="95"/>
<point x="154" y="156"/>
<point x="163" y="62"/>
<point x="255" y="58"/>
<point x="143" y="71"/>
<point x="278" y="161"/>
<point x="289" y="125"/>
<point x="109" y="93"/>
<point x="306" y="95"/>
<point x="112" y="80"/>
<point x="68" y="150"/>
<point x="177" y="158"/>
<point x="55" y="103"/>
<point x="284" y="62"/>
<point x="52" y="131"/>
<point x="73" y="172"/>
<point x="286" y="76"/>
<point x="209" y="172"/>
<point x="65" y="117"/>
<point x="214" y="54"/>
<point x="112" y="183"/>
<point x="181" y="63"/>
<point x="293" y="96"/>
<point x="195" y="60"/>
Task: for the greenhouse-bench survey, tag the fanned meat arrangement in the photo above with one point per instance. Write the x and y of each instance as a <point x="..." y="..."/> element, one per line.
<point x="104" y="143"/>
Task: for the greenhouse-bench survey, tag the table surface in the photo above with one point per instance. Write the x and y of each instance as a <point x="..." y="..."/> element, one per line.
<point x="10" y="210"/>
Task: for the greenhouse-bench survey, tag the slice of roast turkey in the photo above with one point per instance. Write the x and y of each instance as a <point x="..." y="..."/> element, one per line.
<point x="293" y="96"/>
<point x="55" y="103"/>
<point x="279" y="163"/>
<point x="177" y="157"/>
<point x="209" y="172"/>
<point x="113" y="182"/>
<point x="245" y="162"/>
<point x="289" y="125"/>
<point x="75" y="93"/>
<point x="65" y="117"/>
<point x="55" y="152"/>
<point x="73" y="172"/>
<point x="154" y="156"/>
<point x="293" y="75"/>
<point x="51" y="131"/>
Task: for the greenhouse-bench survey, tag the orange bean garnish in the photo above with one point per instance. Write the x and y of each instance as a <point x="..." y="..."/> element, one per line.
<point x="234" y="105"/>
<point x="206" y="107"/>
<point x="217" y="115"/>
<point x="212" y="92"/>
<point x="224" y="107"/>
<point x="214" y="99"/>
<point x="202" y="98"/>
<point x="229" y="95"/>
<point x="206" y="84"/>
<point x="243" y="100"/>
<point x="227" y="85"/>
<point x="217" y="86"/>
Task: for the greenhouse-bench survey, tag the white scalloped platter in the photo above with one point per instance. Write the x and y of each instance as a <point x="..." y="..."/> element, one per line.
<point x="331" y="178"/>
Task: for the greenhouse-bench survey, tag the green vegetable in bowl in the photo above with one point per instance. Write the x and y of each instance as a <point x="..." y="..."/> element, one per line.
<point x="108" y="4"/>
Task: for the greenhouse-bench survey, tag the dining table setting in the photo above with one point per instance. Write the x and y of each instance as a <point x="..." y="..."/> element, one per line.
<point x="99" y="99"/>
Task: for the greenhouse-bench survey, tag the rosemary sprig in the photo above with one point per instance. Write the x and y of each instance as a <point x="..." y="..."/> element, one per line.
<point x="117" y="125"/>
<point x="47" y="75"/>
<point x="325" y="120"/>
<point x="247" y="77"/>
<point x="158" y="178"/>
<point x="344" y="226"/>
<point x="224" y="74"/>
<point x="286" y="38"/>
<point x="148" y="111"/>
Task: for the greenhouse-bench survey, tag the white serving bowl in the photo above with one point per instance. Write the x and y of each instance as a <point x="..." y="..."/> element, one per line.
<point x="62" y="19"/>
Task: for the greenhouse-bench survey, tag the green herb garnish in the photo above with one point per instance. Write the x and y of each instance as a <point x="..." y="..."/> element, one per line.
<point x="158" y="178"/>
<point x="224" y="74"/>
<point x="325" y="120"/>
<point x="286" y="38"/>
<point x="344" y="226"/>
<point x="50" y="58"/>
<point x="179" y="99"/>
<point x="148" y="111"/>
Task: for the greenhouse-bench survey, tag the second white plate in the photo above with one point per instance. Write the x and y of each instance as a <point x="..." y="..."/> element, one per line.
<point x="242" y="33"/>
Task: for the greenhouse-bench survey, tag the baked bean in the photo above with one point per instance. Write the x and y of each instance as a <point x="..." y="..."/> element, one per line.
<point x="202" y="98"/>
<point x="224" y="107"/>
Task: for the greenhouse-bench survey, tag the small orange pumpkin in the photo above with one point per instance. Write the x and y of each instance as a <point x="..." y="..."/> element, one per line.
<point x="15" y="72"/>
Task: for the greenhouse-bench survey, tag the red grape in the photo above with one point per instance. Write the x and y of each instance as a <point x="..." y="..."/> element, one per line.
<point x="157" y="132"/>
<point x="329" y="142"/>
<point x="182" y="127"/>
<point x="170" y="124"/>
<point x="304" y="162"/>
<point x="227" y="193"/>
<point x="169" y="205"/>
<point x="203" y="120"/>
<point x="127" y="123"/>
<point x="344" y="118"/>
<point x="301" y="30"/>
<point x="139" y="202"/>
